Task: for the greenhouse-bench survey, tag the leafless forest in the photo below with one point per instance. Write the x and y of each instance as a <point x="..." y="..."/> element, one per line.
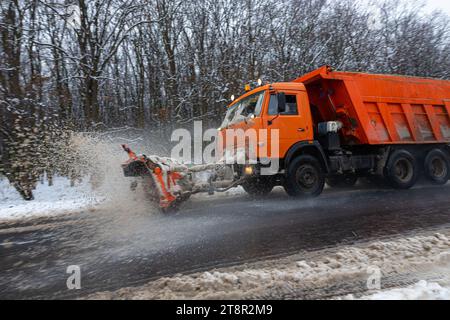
<point x="79" y="65"/>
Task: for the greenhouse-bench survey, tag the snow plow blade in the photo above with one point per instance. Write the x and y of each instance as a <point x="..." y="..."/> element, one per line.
<point x="167" y="182"/>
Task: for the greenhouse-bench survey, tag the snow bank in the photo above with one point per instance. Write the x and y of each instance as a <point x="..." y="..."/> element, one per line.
<point x="301" y="276"/>
<point x="57" y="199"/>
<point x="422" y="290"/>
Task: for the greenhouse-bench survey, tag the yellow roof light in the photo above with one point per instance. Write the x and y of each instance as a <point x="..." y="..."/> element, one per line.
<point x="247" y="87"/>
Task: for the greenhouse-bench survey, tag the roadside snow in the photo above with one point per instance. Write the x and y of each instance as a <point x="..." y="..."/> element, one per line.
<point x="422" y="290"/>
<point x="308" y="275"/>
<point x="57" y="199"/>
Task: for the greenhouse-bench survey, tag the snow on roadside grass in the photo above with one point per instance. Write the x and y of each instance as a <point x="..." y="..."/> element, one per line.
<point x="57" y="199"/>
<point x="301" y="275"/>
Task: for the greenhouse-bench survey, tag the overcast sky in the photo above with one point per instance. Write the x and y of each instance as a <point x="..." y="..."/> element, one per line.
<point x="430" y="5"/>
<point x="439" y="4"/>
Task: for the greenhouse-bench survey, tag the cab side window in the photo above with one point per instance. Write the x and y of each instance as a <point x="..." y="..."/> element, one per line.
<point x="291" y="105"/>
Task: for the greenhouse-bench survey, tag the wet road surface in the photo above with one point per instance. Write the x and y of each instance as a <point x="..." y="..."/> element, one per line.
<point x="118" y="249"/>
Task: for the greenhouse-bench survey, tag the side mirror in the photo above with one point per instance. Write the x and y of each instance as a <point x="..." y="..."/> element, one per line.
<point x="281" y="102"/>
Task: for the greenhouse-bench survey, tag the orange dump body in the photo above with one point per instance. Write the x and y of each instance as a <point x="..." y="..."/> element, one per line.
<point x="381" y="109"/>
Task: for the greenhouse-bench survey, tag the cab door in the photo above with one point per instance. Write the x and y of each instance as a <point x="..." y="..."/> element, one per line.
<point x="293" y="125"/>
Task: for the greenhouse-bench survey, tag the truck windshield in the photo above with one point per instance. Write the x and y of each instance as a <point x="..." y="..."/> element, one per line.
<point x="245" y="108"/>
<point x="229" y="116"/>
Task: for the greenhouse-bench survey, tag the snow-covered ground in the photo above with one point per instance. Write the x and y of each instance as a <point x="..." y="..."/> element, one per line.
<point x="57" y="199"/>
<point x="311" y="275"/>
<point x="422" y="290"/>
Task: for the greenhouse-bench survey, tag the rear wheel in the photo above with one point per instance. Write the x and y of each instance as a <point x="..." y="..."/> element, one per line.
<point x="305" y="177"/>
<point x="258" y="187"/>
<point x="402" y="170"/>
<point x="437" y="167"/>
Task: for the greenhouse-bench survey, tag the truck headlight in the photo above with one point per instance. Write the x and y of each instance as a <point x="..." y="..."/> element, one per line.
<point x="248" y="170"/>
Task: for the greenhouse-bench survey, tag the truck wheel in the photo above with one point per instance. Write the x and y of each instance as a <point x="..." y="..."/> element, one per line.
<point x="437" y="167"/>
<point x="402" y="170"/>
<point x="258" y="187"/>
<point x="343" y="181"/>
<point x="305" y="177"/>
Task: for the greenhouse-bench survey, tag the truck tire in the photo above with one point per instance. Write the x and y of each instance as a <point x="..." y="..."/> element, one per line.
<point x="305" y="177"/>
<point x="258" y="187"/>
<point x="437" y="167"/>
<point x="402" y="170"/>
<point x="342" y="181"/>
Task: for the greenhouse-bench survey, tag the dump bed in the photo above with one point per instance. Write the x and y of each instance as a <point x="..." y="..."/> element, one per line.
<point x="381" y="109"/>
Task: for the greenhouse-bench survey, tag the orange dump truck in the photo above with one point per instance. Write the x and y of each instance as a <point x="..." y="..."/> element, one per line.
<point x="335" y="127"/>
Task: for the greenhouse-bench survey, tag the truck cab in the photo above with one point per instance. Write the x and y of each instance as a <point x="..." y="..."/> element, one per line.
<point x="279" y="115"/>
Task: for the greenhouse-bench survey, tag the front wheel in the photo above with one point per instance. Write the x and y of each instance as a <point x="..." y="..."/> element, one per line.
<point x="305" y="177"/>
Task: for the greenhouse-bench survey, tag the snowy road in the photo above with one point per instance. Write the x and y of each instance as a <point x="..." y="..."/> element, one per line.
<point x="118" y="249"/>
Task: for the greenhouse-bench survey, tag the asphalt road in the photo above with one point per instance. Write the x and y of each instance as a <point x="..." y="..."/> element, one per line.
<point x="118" y="249"/>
